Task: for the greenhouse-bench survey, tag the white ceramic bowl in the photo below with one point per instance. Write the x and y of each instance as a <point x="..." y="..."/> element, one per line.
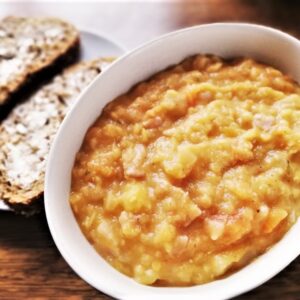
<point x="228" y="40"/>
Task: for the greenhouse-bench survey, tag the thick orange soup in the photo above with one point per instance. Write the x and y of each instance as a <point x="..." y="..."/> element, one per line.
<point x="193" y="173"/>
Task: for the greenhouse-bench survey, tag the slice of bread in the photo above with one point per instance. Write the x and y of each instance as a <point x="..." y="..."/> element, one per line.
<point x="28" y="131"/>
<point x="28" y="46"/>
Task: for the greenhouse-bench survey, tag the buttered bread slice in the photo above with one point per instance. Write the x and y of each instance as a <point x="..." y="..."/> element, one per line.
<point x="28" y="131"/>
<point x="29" y="46"/>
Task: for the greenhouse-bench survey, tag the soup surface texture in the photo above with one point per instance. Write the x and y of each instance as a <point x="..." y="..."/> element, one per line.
<point x="193" y="173"/>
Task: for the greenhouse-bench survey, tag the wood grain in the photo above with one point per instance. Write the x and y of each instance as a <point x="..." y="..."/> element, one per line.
<point x="30" y="265"/>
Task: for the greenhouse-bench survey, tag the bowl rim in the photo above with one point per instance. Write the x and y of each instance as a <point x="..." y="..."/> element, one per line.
<point x="59" y="244"/>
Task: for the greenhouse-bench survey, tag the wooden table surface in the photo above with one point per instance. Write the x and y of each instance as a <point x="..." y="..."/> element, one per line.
<point x="30" y="265"/>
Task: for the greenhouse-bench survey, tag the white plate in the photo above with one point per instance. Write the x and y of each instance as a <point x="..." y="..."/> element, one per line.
<point x="228" y="40"/>
<point x="93" y="45"/>
<point x="3" y="206"/>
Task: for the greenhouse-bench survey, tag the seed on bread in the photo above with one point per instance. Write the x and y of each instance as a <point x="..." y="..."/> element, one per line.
<point x="28" y="131"/>
<point x="29" y="45"/>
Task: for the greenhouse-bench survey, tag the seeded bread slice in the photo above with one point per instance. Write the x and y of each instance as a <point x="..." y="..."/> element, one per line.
<point x="28" y="46"/>
<point x="28" y="131"/>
